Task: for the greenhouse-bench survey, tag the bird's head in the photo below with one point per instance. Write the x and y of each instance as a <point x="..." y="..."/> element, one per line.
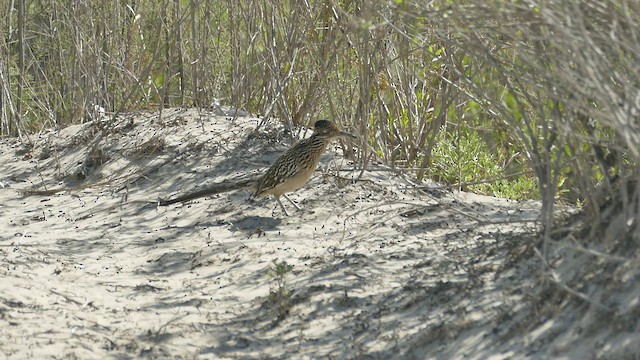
<point x="326" y="128"/>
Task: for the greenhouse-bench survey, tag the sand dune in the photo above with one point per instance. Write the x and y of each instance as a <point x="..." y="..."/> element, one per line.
<point x="371" y="268"/>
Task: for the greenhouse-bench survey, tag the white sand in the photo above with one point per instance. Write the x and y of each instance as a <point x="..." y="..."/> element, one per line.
<point x="380" y="270"/>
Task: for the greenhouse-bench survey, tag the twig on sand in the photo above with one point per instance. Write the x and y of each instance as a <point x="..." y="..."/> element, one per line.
<point x="553" y="276"/>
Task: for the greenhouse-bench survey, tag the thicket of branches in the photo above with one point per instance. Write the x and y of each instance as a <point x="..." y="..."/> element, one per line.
<point x="548" y="89"/>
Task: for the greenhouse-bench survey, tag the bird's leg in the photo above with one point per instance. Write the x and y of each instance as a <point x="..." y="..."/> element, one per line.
<point x="282" y="206"/>
<point x="292" y="203"/>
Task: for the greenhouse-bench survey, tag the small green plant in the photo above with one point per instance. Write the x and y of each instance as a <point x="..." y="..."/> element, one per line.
<point x="463" y="157"/>
<point x="280" y="295"/>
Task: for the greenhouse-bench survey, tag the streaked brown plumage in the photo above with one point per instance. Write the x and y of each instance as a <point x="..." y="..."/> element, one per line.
<point x="287" y="174"/>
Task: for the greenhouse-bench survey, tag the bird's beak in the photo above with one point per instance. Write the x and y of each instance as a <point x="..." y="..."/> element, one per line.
<point x="345" y="134"/>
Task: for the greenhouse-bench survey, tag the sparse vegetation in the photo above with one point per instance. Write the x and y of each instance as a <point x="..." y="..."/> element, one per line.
<point x="280" y="294"/>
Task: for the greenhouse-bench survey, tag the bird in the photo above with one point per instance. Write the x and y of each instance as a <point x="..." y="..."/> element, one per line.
<point x="288" y="173"/>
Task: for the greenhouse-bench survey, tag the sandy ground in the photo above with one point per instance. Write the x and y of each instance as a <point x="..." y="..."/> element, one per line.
<point x="371" y="268"/>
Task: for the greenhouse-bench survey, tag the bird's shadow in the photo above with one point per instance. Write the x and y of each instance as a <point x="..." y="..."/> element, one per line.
<point x="255" y="225"/>
<point x="251" y="222"/>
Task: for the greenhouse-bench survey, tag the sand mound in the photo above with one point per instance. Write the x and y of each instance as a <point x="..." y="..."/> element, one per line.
<point x="372" y="267"/>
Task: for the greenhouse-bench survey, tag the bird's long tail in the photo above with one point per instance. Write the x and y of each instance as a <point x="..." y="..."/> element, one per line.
<point x="247" y="184"/>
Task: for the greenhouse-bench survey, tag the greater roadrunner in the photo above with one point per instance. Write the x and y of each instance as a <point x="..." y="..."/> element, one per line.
<point x="287" y="174"/>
